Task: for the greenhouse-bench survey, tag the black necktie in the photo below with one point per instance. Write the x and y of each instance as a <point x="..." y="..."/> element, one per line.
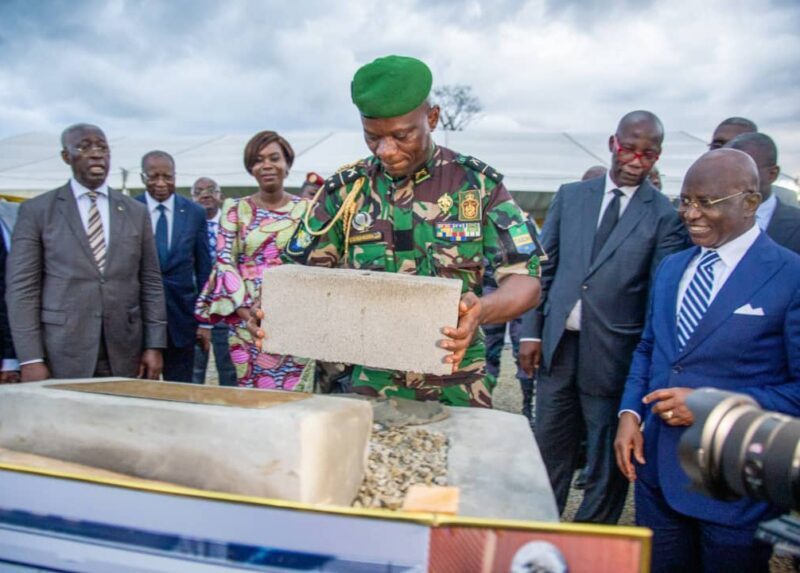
<point x="607" y="223"/>
<point x="162" y="239"/>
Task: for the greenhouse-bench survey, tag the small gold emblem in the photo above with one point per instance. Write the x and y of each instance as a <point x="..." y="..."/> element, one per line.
<point x="445" y="202"/>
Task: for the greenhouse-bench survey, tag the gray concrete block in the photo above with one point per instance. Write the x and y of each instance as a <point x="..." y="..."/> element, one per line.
<point x="310" y="450"/>
<point x="380" y="320"/>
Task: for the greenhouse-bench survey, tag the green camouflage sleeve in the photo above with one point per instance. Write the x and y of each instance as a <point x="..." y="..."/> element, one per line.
<point x="511" y="242"/>
<point x="308" y="248"/>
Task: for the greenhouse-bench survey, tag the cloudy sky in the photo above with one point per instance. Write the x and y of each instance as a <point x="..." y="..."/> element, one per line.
<point x="206" y="67"/>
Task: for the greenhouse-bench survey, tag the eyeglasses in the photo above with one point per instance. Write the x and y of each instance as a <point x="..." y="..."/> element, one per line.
<point x="164" y="178"/>
<point x="202" y="192"/>
<point x="703" y="203"/>
<point x="85" y="147"/>
<point x="627" y="155"/>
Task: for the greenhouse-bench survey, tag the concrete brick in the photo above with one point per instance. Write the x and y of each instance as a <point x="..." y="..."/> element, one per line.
<point x="380" y="320"/>
<point x="310" y="450"/>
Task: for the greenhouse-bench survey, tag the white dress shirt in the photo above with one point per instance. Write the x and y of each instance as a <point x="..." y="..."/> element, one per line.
<point x="85" y="203"/>
<point x="765" y="212"/>
<point x="169" y="213"/>
<point x="574" y="318"/>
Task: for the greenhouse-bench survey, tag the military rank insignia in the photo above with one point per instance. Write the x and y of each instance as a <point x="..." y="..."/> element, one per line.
<point x="445" y="202"/>
<point x="421" y="175"/>
<point x="469" y="205"/>
<point x="458" y="232"/>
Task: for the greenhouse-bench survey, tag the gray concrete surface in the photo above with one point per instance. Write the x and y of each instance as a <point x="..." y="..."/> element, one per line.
<point x="381" y="320"/>
<point x="495" y="462"/>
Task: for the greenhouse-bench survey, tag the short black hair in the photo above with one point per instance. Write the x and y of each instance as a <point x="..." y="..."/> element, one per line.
<point x="761" y="143"/>
<point x="740" y="121"/>
<point x="157" y="153"/>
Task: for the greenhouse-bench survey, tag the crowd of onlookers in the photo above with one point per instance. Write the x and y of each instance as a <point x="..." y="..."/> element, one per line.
<point x="643" y="300"/>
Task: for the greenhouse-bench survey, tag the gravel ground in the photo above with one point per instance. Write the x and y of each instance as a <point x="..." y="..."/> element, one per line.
<point x="508" y="397"/>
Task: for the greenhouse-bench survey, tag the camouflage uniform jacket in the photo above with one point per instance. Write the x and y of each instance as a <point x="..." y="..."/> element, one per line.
<point x="449" y="219"/>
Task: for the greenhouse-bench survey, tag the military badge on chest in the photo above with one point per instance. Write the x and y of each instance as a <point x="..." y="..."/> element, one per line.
<point x="362" y="221"/>
<point x="469" y="205"/>
<point x="445" y="203"/>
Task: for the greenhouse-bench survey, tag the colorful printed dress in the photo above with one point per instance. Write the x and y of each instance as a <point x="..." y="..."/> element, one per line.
<point x="250" y="240"/>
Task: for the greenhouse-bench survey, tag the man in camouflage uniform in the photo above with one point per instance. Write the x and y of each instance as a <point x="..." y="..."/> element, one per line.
<point x="416" y="208"/>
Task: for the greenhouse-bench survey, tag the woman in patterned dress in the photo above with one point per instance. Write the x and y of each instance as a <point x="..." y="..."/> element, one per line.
<point x="254" y="230"/>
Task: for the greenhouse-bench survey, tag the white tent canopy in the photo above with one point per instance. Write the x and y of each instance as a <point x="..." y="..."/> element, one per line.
<point x="530" y="161"/>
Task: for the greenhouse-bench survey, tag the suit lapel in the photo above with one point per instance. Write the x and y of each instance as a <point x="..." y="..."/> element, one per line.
<point x="68" y="208"/>
<point x="630" y="218"/>
<point x="673" y="280"/>
<point x="756" y="267"/>
<point x="118" y="222"/>
<point x="178" y="224"/>
<point x="780" y="226"/>
<point x="590" y="213"/>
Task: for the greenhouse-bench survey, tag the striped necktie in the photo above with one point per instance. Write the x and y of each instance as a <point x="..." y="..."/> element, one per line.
<point x="697" y="297"/>
<point x="97" y="239"/>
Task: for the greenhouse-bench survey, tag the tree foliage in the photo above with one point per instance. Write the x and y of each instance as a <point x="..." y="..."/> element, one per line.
<point x="458" y="104"/>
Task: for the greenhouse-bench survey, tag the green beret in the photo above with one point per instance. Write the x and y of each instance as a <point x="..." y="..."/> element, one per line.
<point x="391" y="86"/>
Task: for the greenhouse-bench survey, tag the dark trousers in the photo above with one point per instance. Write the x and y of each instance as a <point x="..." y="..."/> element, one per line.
<point x="225" y="369"/>
<point x="178" y="362"/>
<point x="561" y="412"/>
<point x="102" y="368"/>
<point x="689" y="545"/>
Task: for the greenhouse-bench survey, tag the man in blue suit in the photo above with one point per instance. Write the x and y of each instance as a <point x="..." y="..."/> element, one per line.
<point x="724" y="314"/>
<point x="182" y="245"/>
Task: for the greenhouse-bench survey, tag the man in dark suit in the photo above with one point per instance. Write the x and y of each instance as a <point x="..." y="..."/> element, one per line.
<point x="724" y="314"/>
<point x="83" y="288"/>
<point x="604" y="238"/>
<point x="779" y="220"/>
<point x="9" y="372"/>
<point x="182" y="246"/>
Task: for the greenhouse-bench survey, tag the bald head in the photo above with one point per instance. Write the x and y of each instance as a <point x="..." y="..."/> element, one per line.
<point x="720" y="197"/>
<point x="642" y="118"/>
<point x="635" y="147"/>
<point x="731" y="168"/>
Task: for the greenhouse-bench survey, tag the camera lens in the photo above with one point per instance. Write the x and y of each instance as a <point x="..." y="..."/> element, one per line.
<point x="735" y="449"/>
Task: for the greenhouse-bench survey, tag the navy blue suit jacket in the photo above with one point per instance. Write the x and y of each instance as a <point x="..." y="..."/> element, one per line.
<point x="187" y="269"/>
<point x="754" y="355"/>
